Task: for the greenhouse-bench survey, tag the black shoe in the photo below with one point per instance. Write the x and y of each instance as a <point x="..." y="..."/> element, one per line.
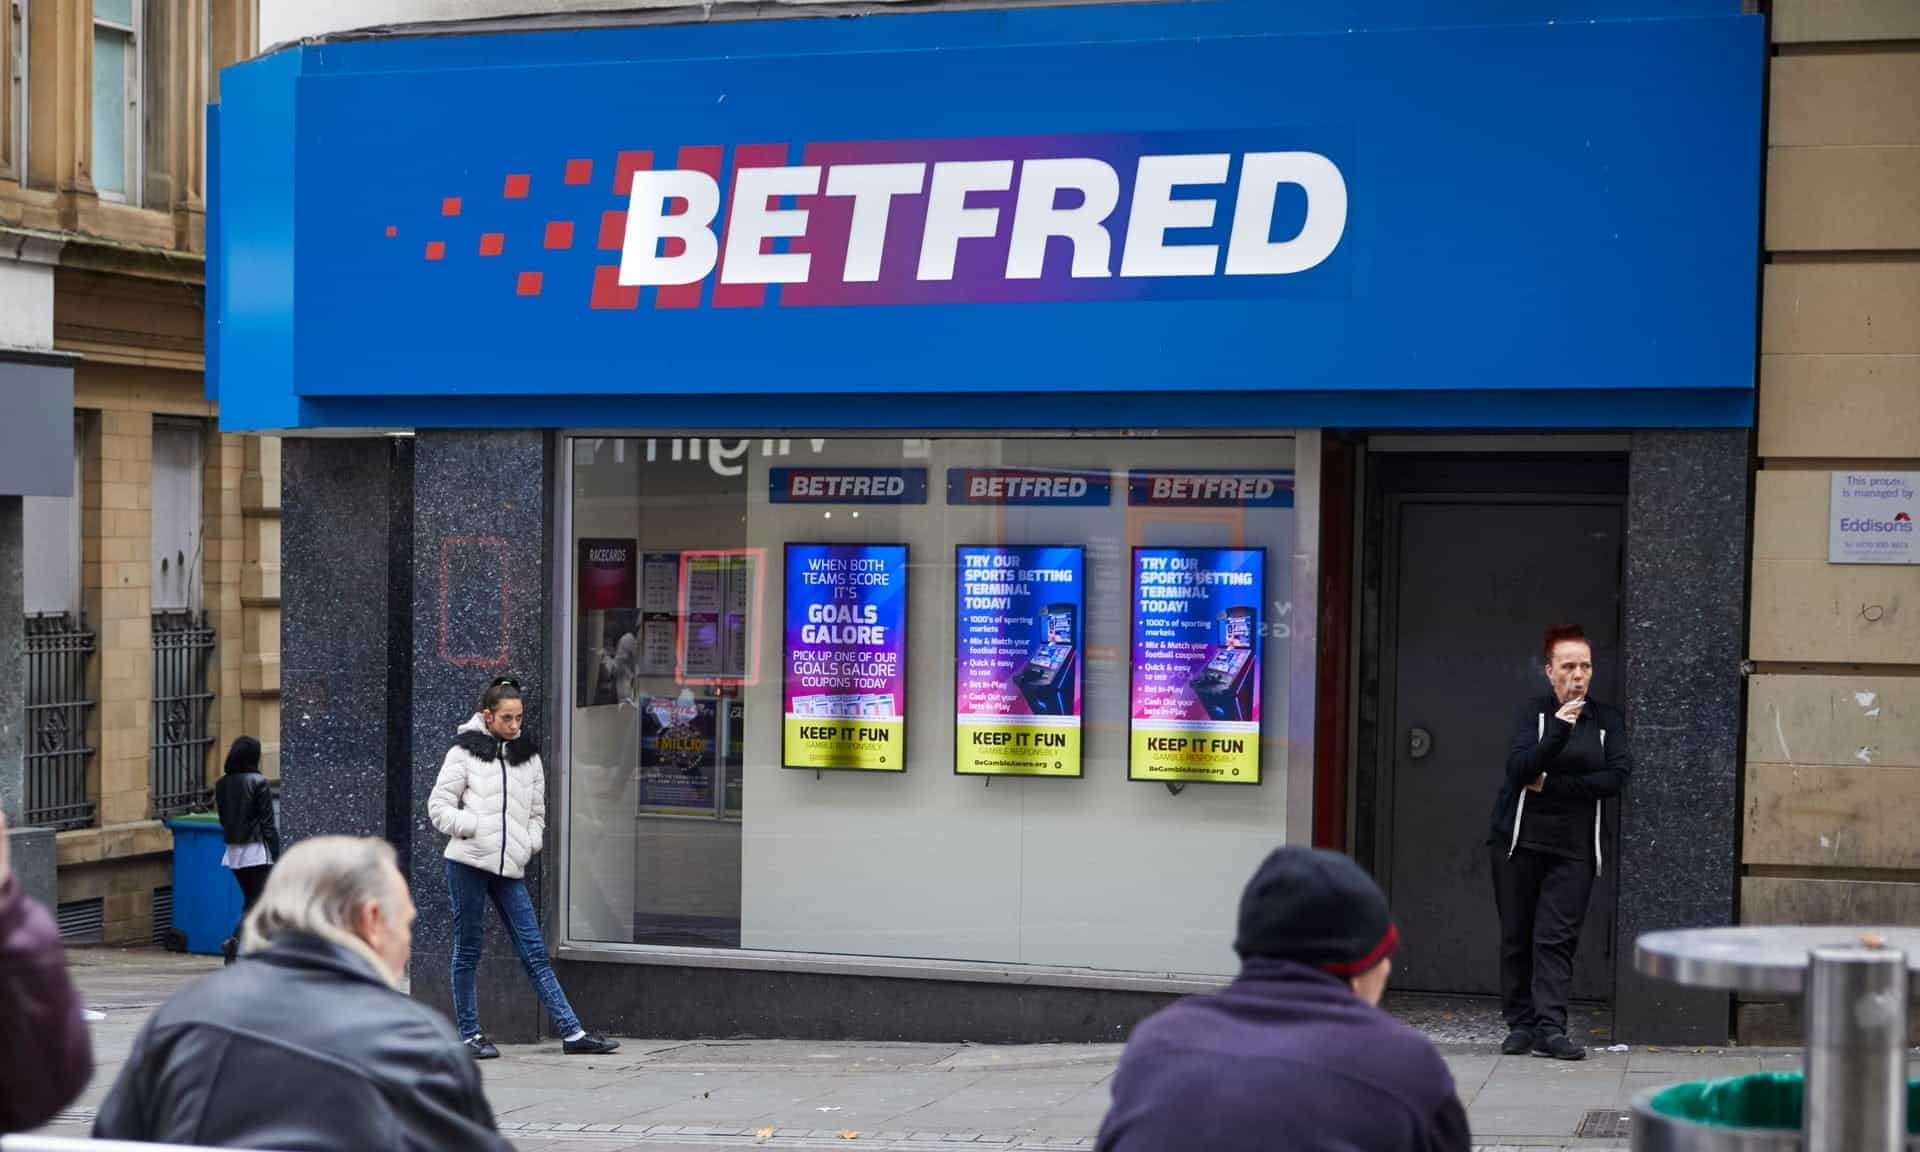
<point x="1519" y="1042"/>
<point x="482" y="1048"/>
<point x="230" y="950"/>
<point x="1556" y="1046"/>
<point x="589" y="1045"/>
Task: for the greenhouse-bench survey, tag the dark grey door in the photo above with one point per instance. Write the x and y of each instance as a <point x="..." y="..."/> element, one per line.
<point x="1471" y="583"/>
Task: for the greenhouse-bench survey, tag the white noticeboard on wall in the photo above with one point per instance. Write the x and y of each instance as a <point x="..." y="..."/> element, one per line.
<point x="1870" y="518"/>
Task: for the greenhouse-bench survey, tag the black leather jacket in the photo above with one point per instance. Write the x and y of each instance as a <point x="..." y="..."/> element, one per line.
<point x="245" y="800"/>
<point x="299" y="1048"/>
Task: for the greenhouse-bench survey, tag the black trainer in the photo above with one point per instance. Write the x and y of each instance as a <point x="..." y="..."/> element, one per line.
<point x="482" y="1048"/>
<point x="1556" y="1046"/>
<point x="1519" y="1042"/>
<point x="589" y="1045"/>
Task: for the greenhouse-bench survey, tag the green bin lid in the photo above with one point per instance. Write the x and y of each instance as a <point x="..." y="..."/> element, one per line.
<point x="194" y="820"/>
<point x="1767" y="1100"/>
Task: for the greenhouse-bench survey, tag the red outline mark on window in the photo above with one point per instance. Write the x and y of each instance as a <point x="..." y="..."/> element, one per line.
<point x="499" y="545"/>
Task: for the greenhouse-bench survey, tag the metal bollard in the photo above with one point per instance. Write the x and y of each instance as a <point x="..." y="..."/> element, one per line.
<point x="1856" y="1006"/>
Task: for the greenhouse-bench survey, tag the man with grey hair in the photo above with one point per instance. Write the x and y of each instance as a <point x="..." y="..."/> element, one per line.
<point x="308" y="1044"/>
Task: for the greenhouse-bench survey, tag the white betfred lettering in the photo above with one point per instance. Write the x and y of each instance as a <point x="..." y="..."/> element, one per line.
<point x="1179" y="489"/>
<point x="750" y="222"/>
<point x="841" y="487"/>
<point x="1037" y="217"/>
<point x="949" y="220"/>
<point x="873" y="187"/>
<point x="648" y="224"/>
<point x="1249" y="252"/>
<point x="1030" y="487"/>
<point x="1155" y="212"/>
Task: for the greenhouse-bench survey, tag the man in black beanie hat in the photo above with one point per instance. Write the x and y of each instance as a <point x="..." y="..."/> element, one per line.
<point x="1296" y="1052"/>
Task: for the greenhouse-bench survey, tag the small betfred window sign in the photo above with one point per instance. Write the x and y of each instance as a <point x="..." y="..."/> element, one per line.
<point x="1870" y="518"/>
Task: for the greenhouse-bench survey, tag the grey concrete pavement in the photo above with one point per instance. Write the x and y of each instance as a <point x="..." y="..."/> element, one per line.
<point x="679" y="1096"/>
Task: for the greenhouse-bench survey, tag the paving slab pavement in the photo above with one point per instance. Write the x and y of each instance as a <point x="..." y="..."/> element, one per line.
<point x="793" y="1095"/>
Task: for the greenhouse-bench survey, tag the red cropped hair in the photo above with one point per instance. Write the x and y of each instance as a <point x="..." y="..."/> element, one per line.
<point x="1557" y="635"/>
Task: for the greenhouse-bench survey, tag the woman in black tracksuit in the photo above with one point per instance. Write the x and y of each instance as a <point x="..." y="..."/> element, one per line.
<point x="1566" y="756"/>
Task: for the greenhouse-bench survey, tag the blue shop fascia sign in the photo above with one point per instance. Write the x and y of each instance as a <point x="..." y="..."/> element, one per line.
<point x="1200" y="215"/>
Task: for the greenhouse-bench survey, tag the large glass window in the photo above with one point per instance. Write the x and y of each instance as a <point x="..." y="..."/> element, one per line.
<point x="1016" y="700"/>
<point x="116" y="98"/>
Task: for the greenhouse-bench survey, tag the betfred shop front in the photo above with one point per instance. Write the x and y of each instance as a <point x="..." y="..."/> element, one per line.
<point x="938" y="475"/>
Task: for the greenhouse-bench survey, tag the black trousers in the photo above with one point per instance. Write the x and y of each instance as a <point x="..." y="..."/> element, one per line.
<point x="1543" y="904"/>
<point x="252" y="882"/>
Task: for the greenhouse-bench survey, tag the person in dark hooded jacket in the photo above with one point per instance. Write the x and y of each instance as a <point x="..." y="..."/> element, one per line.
<point x="1296" y="1052"/>
<point x="245" y="800"/>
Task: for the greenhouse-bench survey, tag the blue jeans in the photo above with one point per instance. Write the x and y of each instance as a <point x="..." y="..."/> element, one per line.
<point x="471" y="888"/>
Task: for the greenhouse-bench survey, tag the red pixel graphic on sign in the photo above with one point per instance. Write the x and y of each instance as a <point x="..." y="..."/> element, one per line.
<point x="609" y="224"/>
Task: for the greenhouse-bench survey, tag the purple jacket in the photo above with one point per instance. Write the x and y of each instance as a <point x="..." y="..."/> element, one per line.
<point x="46" y="1055"/>
<point x="1284" y="1057"/>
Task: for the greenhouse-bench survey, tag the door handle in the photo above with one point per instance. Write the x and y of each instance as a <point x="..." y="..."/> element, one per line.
<point x="1419" y="743"/>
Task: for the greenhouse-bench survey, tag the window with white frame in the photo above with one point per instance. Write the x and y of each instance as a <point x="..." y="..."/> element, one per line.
<point x="13" y="156"/>
<point x="116" y="99"/>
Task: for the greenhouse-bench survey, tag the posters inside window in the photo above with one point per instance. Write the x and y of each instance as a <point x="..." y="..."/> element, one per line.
<point x="679" y="754"/>
<point x="1195" y="699"/>
<point x="609" y="644"/>
<point x="1020" y="613"/>
<point x="845" y="657"/>
<point x="719" y="608"/>
<point x="659" y="612"/>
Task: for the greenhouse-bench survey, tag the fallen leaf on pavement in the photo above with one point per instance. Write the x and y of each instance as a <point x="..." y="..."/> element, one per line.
<point x="762" y="1136"/>
<point x="847" y="1135"/>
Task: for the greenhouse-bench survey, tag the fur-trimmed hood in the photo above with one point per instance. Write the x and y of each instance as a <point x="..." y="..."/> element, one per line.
<point x="484" y="745"/>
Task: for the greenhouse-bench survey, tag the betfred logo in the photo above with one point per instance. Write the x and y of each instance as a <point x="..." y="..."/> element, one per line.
<point x="1210" y="489"/>
<point x="847" y="485"/>
<point x="1029" y="486"/>
<point x="986" y="219"/>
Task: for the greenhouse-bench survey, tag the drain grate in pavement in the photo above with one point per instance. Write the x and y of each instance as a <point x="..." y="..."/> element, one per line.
<point x="1605" y="1124"/>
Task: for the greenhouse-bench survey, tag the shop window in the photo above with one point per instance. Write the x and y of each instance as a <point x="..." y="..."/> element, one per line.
<point x="117" y="79"/>
<point x="1016" y="700"/>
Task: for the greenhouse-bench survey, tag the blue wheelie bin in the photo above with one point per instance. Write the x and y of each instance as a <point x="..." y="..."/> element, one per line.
<point x="206" y="901"/>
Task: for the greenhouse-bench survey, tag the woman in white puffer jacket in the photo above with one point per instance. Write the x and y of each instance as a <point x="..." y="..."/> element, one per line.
<point x="490" y="800"/>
